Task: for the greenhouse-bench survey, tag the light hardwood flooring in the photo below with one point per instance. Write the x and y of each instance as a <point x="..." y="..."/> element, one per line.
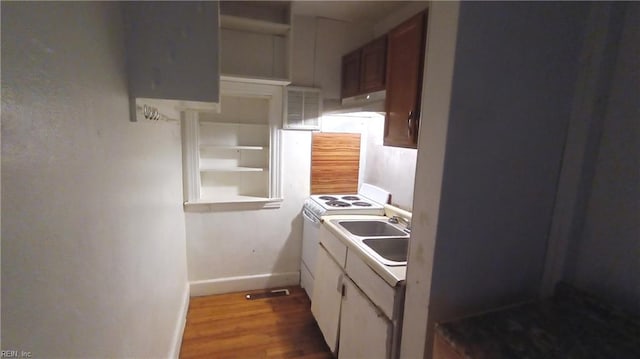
<point x="230" y="326"/>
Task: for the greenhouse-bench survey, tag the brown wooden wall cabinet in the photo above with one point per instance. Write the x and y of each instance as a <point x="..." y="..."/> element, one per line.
<point x="405" y="57"/>
<point x="351" y="73"/>
<point x="373" y="65"/>
<point x="364" y="69"/>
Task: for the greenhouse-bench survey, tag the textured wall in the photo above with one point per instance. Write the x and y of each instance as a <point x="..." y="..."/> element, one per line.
<point x="391" y="168"/>
<point x="605" y="258"/>
<point x="480" y="240"/>
<point x="511" y="100"/>
<point x="93" y="235"/>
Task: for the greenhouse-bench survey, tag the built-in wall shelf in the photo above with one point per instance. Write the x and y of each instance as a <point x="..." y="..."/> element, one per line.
<point x="252" y="25"/>
<point x="233" y="156"/>
<point x="232" y="169"/>
<point x="256" y="39"/>
<point x="231" y="148"/>
<point x="236" y="203"/>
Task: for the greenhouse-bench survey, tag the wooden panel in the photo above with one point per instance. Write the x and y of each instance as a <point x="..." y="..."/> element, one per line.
<point x="335" y="162"/>
<point x="229" y="326"/>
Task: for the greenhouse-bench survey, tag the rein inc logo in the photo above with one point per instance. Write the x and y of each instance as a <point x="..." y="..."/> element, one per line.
<point x="15" y="354"/>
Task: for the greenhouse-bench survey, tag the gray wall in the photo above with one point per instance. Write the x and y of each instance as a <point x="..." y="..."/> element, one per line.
<point x="604" y="256"/>
<point x="517" y="81"/>
<point x="511" y="100"/>
<point x="93" y="233"/>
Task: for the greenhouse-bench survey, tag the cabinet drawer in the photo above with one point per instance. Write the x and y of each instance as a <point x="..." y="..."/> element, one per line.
<point x="334" y="246"/>
<point x="380" y="293"/>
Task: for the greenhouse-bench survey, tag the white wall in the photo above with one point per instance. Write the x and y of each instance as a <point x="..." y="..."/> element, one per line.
<point x="93" y="249"/>
<point x="318" y="46"/>
<point x="436" y="98"/>
<point x="391" y="168"/>
<point x="605" y="256"/>
<point x="249" y="249"/>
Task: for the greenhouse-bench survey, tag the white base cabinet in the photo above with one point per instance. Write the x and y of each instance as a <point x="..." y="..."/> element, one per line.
<point x="358" y="313"/>
<point x="365" y="332"/>
<point x="327" y="297"/>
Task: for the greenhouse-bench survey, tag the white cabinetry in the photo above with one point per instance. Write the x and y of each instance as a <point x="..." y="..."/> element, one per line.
<point x="327" y="297"/>
<point x="172" y="56"/>
<point x="255" y="39"/>
<point x="364" y="329"/>
<point x="358" y="313"/>
<point x="234" y="156"/>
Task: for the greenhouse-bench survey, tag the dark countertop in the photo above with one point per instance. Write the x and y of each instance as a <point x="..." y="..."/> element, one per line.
<point x="571" y="324"/>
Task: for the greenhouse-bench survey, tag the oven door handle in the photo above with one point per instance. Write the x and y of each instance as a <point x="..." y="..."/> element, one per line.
<point x="310" y="217"/>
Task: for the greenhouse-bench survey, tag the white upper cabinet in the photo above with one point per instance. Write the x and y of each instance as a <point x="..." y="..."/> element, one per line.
<point x="255" y="39"/>
<point x="172" y="56"/>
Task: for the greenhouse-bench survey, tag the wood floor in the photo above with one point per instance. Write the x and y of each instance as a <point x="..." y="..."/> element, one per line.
<point x="230" y="326"/>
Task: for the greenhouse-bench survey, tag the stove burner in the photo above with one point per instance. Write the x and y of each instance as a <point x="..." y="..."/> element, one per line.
<point x="328" y="198"/>
<point x="337" y="204"/>
<point x="350" y="198"/>
<point x="361" y="204"/>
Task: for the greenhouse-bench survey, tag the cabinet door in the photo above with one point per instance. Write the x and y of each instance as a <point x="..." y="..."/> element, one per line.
<point x="327" y="295"/>
<point x="365" y="332"/>
<point x="373" y="66"/>
<point x="405" y="56"/>
<point x="351" y="74"/>
<point x="172" y="50"/>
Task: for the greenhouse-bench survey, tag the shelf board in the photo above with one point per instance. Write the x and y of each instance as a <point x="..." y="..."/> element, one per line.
<point x="215" y="123"/>
<point x="256" y="80"/>
<point x="252" y="25"/>
<point x="232" y="169"/>
<point x="235" y="202"/>
<point x="223" y="147"/>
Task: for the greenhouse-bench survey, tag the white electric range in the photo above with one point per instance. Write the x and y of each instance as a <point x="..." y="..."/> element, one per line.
<point x="369" y="200"/>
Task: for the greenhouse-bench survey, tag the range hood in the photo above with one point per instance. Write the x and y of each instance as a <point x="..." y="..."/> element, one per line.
<point x="371" y="102"/>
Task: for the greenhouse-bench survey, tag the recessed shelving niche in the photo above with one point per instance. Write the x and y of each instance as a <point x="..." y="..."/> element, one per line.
<point x="233" y="156"/>
<point x="256" y="39"/>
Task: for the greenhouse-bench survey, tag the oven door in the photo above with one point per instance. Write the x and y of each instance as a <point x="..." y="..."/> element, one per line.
<point x="310" y="242"/>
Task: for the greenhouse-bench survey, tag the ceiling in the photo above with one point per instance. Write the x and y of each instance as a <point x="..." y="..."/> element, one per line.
<point x="354" y="11"/>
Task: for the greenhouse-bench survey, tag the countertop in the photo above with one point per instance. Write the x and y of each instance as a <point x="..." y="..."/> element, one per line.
<point x="572" y="324"/>
<point x="393" y="275"/>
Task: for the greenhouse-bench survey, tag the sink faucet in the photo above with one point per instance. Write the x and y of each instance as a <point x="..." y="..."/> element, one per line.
<point x="398" y="219"/>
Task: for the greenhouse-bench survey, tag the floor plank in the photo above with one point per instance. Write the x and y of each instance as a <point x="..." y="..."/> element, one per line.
<point x="230" y="326"/>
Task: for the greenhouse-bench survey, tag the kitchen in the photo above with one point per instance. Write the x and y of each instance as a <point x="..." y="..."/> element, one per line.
<point x="95" y="237"/>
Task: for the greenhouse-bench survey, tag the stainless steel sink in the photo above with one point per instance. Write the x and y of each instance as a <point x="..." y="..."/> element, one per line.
<point x="371" y="228"/>
<point x="392" y="249"/>
<point x="385" y="242"/>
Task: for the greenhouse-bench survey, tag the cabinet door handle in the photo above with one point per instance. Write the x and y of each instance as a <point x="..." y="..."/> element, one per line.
<point x="339" y="287"/>
<point x="410" y="125"/>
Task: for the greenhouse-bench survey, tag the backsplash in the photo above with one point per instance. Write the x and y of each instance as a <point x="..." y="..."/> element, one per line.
<point x="391" y="168"/>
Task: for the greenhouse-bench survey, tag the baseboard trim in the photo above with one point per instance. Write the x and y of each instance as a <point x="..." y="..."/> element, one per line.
<point x="236" y="284"/>
<point x="180" y="324"/>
